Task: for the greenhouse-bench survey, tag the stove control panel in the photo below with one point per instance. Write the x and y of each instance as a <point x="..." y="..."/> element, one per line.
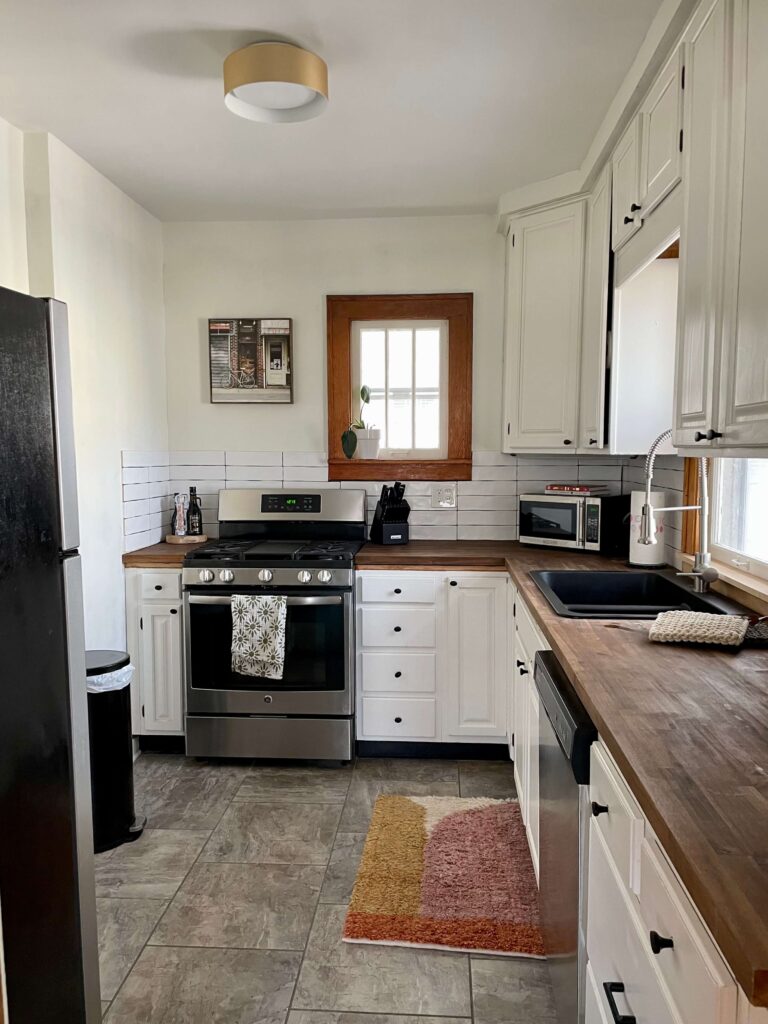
<point x="205" y="575"/>
<point x="265" y="575"/>
<point x="304" y="576"/>
<point x="226" y="575"/>
<point x="299" y="503"/>
<point x="325" y="576"/>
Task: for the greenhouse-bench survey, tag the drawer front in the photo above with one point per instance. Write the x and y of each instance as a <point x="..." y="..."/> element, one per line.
<point x="398" y="588"/>
<point x="164" y="585"/>
<point x="595" y="1006"/>
<point x="693" y="970"/>
<point x="395" y="717"/>
<point x="621" y="826"/>
<point x="615" y="946"/>
<point x="401" y="672"/>
<point x="411" y="627"/>
<point x="528" y="632"/>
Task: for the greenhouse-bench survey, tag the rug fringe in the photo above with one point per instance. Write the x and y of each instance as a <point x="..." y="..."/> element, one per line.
<point x="446" y="949"/>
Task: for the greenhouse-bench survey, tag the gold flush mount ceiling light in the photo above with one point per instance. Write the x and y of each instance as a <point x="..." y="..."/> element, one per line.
<point x="275" y="83"/>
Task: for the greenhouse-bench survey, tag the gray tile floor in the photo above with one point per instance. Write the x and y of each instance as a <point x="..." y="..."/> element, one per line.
<point x="229" y="908"/>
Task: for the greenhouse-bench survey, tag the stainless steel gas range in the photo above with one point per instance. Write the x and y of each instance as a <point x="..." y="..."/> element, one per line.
<point x="301" y="545"/>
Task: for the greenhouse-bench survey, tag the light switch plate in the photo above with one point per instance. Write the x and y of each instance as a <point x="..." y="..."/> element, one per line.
<point x="443" y="495"/>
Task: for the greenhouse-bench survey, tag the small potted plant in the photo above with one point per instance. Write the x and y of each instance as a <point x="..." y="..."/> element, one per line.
<point x="360" y="437"/>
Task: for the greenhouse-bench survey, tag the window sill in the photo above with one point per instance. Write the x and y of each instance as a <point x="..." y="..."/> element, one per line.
<point x="743" y="587"/>
<point x="394" y="469"/>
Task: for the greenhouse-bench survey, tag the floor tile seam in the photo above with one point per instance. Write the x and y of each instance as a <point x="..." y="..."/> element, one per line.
<point x="241" y="949"/>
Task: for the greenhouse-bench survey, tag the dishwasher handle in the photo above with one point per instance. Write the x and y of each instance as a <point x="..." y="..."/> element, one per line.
<point x="569" y="720"/>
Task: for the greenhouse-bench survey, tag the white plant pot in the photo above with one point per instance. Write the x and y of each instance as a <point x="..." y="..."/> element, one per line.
<point x="368" y="442"/>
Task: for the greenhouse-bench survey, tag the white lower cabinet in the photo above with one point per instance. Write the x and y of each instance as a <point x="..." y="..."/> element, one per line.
<point x="432" y="656"/>
<point x="155" y="644"/>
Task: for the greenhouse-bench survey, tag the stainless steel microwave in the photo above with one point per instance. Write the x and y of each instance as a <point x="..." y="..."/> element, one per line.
<point x="574" y="521"/>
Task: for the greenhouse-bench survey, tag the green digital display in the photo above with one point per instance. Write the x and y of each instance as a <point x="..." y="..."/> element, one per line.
<point x="291" y="501"/>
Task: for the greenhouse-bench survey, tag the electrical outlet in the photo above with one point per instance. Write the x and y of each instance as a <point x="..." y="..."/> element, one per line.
<point x="443" y="495"/>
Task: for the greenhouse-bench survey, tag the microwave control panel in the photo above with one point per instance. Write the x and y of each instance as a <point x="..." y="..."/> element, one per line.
<point x="592" y="524"/>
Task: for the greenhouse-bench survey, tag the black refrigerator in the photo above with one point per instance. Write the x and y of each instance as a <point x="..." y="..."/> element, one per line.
<point x="47" y="894"/>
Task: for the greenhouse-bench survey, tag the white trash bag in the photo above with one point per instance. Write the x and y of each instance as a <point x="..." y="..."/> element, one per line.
<point x="116" y="680"/>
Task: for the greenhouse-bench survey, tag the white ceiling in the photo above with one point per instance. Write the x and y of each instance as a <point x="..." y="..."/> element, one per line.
<point x="435" y="105"/>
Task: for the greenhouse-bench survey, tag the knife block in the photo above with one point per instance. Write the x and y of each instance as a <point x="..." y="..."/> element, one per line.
<point x="390" y="523"/>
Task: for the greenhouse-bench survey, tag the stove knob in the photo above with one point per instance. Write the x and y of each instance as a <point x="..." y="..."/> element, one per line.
<point x="325" y="575"/>
<point x="305" y="576"/>
<point x="265" y="575"/>
<point x="226" y="575"/>
<point x="205" y="575"/>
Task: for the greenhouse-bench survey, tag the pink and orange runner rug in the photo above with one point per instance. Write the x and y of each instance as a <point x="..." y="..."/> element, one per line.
<point x="448" y="873"/>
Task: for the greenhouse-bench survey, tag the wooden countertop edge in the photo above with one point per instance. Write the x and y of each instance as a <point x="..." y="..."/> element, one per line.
<point x="752" y="979"/>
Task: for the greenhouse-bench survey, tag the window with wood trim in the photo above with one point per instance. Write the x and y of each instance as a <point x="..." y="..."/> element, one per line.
<point x="414" y="353"/>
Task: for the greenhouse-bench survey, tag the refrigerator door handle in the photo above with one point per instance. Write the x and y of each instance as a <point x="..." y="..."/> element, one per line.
<point x="81" y="776"/>
<point x="64" y="431"/>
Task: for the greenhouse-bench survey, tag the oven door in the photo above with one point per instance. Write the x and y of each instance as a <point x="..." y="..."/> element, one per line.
<point x="554" y="520"/>
<point x="319" y="658"/>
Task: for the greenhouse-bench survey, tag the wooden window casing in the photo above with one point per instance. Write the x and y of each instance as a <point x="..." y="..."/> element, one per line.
<point x="456" y="308"/>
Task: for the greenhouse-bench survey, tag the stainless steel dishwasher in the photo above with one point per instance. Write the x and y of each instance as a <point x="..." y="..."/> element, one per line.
<point x="565" y="735"/>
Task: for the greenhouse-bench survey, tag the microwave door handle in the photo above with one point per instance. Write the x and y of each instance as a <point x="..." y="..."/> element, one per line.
<point x="292" y="602"/>
<point x="581" y="535"/>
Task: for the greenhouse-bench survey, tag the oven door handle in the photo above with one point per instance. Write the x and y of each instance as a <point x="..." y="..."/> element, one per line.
<point x="292" y="602"/>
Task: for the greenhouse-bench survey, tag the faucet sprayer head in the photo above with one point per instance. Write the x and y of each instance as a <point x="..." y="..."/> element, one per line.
<point x="647" y="526"/>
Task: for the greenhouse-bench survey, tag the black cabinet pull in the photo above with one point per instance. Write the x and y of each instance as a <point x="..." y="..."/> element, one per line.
<point x="398" y="674"/>
<point x="398" y="720"/>
<point x="174" y="611"/>
<point x="398" y="590"/>
<point x="634" y="207"/>
<point x="712" y="434"/>
<point x="598" y="809"/>
<point x="619" y="1018"/>
<point x="523" y="671"/>
<point x="698" y="436"/>
<point x="397" y="629"/>
<point x="658" y="942"/>
<point x="454" y="583"/>
<point x="629" y="220"/>
<point x="158" y="586"/>
<point x="519" y="663"/>
<point x="593" y="440"/>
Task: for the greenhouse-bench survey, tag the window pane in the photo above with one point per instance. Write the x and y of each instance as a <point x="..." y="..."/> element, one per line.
<point x="742" y="496"/>
<point x="428" y="358"/>
<point x="400" y="359"/>
<point x="427" y="419"/>
<point x="399" y="420"/>
<point x="372" y="373"/>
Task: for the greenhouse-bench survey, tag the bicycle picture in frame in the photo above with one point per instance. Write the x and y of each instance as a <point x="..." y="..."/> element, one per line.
<point x="250" y="359"/>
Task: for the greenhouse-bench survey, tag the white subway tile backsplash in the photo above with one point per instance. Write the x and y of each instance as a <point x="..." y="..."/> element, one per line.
<point x="305" y="459"/>
<point x="196" y="459"/>
<point x="163" y="503"/>
<point x="493" y="459"/>
<point x="143" y="458"/>
<point x="183" y="485"/>
<point x="432" y="533"/>
<point x="138" y="524"/>
<point x="491" y="502"/>
<point x="135" y="475"/>
<point x="133" y="492"/>
<point x="495" y="472"/>
<point x="237" y="473"/>
<point x="477" y="517"/>
<point x="487" y="533"/>
<point x="314" y="485"/>
<point x="599" y="474"/>
<point x="246" y="485"/>
<point x="200" y="472"/>
<point x="139" y="507"/>
<point x="254" y="459"/>
<point x="158" y="473"/>
<point x="134" y="541"/>
<point x="435" y="517"/>
<point x="160" y="488"/>
<point x="487" y="487"/>
<point x="309" y="473"/>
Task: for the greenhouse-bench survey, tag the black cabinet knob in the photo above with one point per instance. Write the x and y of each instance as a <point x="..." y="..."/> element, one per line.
<point x="610" y="987"/>
<point x="158" y="586"/>
<point x="454" y="583"/>
<point x="634" y="207"/>
<point x="698" y="436"/>
<point x="598" y="809"/>
<point x="523" y="671"/>
<point x="658" y="942"/>
<point x="712" y="434"/>
<point x="567" y="441"/>
<point x="398" y="720"/>
<point x="398" y="590"/>
<point x="398" y="674"/>
<point x="398" y="629"/>
<point x="629" y="220"/>
<point x="519" y="663"/>
<point x="174" y="611"/>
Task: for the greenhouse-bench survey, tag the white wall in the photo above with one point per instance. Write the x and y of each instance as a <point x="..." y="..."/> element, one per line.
<point x="285" y="269"/>
<point x="98" y="251"/>
<point x="13" y="234"/>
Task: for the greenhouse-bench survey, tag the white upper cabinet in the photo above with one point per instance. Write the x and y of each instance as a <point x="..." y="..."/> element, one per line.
<point x="594" y="332"/>
<point x="626" y="186"/>
<point x="545" y="258"/>
<point x="661" y="135"/>
<point x="743" y="409"/>
<point x="706" y="47"/>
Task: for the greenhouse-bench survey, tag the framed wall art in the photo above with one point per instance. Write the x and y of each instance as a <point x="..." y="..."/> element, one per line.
<point x="251" y="359"/>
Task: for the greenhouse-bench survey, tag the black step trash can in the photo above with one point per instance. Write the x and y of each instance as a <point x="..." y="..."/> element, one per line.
<point x="109" y="721"/>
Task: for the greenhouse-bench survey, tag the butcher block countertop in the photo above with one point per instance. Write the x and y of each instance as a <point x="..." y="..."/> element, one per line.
<point x="156" y="556"/>
<point x="437" y="554"/>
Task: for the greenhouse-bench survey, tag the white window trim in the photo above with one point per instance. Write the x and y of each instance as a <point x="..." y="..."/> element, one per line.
<point x="442" y="326"/>
<point x="742" y="563"/>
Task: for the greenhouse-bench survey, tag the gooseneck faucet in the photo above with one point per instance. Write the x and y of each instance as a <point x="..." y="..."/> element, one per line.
<point x="703" y="573"/>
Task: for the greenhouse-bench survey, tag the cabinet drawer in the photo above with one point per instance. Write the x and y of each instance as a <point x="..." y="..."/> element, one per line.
<point x="529" y="634"/>
<point x="615" y="946"/>
<point x="400" y="672"/>
<point x="165" y="585"/>
<point x="412" y="627"/>
<point x="398" y="588"/>
<point x="692" y="969"/>
<point x="622" y="824"/>
<point x="395" y="717"/>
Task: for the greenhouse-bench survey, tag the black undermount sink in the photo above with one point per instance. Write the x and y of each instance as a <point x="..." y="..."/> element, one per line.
<point x="576" y="594"/>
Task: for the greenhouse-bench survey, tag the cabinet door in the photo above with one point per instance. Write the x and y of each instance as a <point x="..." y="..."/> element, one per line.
<point x="545" y="259"/>
<point x="661" y="117"/>
<point x="594" y="332"/>
<point x="161" y="660"/>
<point x="626" y="186"/>
<point x="477" y="655"/>
<point x="743" y="418"/>
<point x="705" y="152"/>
